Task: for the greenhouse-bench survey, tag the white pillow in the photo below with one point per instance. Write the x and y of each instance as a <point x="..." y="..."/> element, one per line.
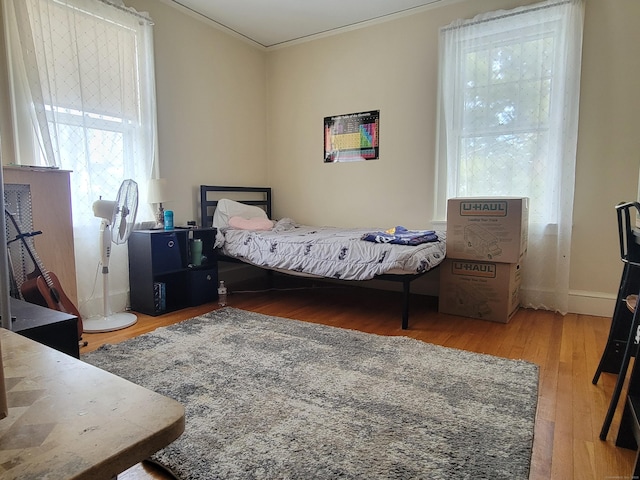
<point x="228" y="208"/>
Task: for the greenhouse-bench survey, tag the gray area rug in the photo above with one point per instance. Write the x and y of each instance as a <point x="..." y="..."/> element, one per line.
<point x="268" y="398"/>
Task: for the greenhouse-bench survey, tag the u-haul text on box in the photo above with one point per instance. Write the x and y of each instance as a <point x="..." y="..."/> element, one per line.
<point x="485" y="290"/>
<point x="493" y="229"/>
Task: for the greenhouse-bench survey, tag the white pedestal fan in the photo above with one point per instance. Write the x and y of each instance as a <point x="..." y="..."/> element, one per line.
<point x="118" y="218"/>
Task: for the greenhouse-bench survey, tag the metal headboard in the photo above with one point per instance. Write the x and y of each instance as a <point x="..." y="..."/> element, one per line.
<point x="207" y="205"/>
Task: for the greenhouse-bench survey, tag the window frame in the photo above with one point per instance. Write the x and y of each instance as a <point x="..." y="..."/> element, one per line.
<point x="451" y="110"/>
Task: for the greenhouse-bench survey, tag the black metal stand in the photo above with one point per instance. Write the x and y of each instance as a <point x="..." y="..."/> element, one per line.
<point x="622" y="344"/>
<point x="613" y="354"/>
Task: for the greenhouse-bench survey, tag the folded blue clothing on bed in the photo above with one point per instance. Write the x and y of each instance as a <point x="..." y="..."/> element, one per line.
<point x="401" y="236"/>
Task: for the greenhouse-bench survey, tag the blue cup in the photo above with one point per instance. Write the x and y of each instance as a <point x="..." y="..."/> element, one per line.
<point x="168" y="219"/>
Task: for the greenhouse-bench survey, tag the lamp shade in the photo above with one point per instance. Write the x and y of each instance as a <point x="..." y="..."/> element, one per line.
<point x="158" y="190"/>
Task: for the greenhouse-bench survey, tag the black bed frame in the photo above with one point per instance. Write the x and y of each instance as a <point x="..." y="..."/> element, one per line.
<point x="261" y="197"/>
<point x="207" y="207"/>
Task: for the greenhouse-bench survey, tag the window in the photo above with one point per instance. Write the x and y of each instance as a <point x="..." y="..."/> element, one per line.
<point x="96" y="148"/>
<point x="503" y="106"/>
<point x="83" y="92"/>
<point x="508" y="122"/>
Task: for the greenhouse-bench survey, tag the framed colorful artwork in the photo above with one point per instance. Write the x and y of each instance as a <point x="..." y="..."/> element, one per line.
<point x="352" y="137"/>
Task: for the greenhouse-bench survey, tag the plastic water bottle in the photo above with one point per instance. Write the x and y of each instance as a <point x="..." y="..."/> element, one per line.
<point x="222" y="294"/>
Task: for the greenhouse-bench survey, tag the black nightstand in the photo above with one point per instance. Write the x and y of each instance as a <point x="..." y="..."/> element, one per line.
<point x="161" y="276"/>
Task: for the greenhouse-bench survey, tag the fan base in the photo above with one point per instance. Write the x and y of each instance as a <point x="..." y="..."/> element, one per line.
<point x="115" y="321"/>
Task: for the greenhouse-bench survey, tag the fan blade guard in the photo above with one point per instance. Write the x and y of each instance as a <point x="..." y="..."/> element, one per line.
<point x="124" y="213"/>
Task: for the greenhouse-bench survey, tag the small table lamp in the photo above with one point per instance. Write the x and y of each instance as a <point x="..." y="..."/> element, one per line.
<point x="158" y="193"/>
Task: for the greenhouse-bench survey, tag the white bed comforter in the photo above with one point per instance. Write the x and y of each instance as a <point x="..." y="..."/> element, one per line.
<point x="329" y="251"/>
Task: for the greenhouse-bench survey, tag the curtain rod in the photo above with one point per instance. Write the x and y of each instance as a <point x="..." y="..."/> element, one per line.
<point x="130" y="11"/>
<point x="507" y="15"/>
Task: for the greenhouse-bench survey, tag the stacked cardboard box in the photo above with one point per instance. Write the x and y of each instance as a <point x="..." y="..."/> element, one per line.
<point x="486" y="243"/>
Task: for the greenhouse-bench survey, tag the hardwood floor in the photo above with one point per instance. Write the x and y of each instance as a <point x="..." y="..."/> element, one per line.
<point x="567" y="349"/>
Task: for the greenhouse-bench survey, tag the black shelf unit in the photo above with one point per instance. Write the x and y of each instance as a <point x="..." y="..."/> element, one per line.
<point x="160" y="261"/>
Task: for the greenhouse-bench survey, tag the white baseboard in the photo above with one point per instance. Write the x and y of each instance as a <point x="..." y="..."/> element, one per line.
<point x="591" y="303"/>
<point x="118" y="302"/>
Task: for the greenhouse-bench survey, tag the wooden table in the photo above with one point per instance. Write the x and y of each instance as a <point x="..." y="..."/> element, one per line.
<point x="70" y="420"/>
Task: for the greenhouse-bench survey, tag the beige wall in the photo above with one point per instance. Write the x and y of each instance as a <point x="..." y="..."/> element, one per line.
<point x="393" y="67"/>
<point x="211" y="102"/>
<point x="233" y="113"/>
<point x="609" y="142"/>
<point x="211" y="96"/>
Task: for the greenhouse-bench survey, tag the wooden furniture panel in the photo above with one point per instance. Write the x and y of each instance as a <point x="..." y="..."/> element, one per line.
<point x="68" y="419"/>
<point x="51" y="203"/>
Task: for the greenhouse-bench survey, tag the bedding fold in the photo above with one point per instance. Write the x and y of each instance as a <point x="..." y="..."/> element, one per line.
<point x="401" y="236"/>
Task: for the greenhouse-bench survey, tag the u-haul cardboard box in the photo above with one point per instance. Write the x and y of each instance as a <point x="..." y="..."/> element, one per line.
<point x="485" y="290"/>
<point x="492" y="229"/>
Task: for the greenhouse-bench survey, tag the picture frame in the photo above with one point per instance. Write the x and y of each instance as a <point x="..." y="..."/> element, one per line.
<point x="352" y="137"/>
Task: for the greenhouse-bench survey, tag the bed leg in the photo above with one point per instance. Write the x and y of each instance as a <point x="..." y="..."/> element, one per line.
<point x="406" y="288"/>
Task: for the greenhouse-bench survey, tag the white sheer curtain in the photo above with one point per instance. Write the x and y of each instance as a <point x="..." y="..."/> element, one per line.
<point x="508" y="125"/>
<point x="84" y="100"/>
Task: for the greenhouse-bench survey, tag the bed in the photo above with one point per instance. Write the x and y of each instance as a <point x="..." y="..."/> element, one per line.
<point x="247" y="233"/>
